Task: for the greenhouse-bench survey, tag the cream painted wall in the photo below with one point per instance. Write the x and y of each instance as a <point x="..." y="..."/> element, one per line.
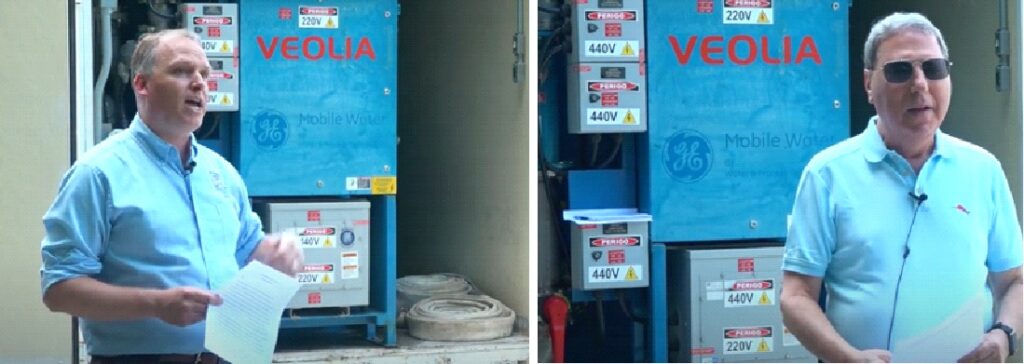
<point x="34" y="153"/>
<point x="978" y="113"/>
<point x="462" y="193"/>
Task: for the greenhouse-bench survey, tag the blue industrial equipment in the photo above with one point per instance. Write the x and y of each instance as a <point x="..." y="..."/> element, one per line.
<point x="741" y="94"/>
<point x="318" y="96"/>
<point x="317" y="120"/>
<point x="740" y="97"/>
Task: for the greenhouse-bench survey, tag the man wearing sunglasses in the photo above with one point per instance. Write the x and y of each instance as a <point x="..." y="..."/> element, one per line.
<point x="913" y="232"/>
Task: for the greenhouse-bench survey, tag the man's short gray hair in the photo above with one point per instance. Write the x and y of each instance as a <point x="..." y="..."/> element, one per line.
<point x="898" y="23"/>
<point x="145" y="52"/>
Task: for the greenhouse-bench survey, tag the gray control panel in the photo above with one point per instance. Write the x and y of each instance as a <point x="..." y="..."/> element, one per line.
<point x="728" y="306"/>
<point x="609" y="249"/>
<point x="607" y="98"/>
<point x="217" y="27"/>
<point x="335" y="239"/>
<point x="607" y="31"/>
<point x="605" y="67"/>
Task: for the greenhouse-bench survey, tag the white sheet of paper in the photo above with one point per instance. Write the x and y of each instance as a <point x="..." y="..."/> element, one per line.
<point x="244" y="328"/>
<point x="948" y="341"/>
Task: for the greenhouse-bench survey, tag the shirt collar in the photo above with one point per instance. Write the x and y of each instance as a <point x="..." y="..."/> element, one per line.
<point x="875" y="149"/>
<point x="159" y="147"/>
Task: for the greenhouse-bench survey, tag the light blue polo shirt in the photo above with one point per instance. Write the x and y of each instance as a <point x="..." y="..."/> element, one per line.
<point x="850" y="221"/>
<point x="128" y="214"/>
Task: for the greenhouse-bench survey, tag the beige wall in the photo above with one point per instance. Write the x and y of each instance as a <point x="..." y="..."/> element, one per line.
<point x="34" y="152"/>
<point x="462" y="194"/>
<point x="978" y="113"/>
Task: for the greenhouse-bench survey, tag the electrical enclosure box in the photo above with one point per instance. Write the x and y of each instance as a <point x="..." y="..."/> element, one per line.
<point x="728" y="304"/>
<point x="607" y="98"/>
<point x="606" y="83"/>
<point x="741" y="94"/>
<point x="320" y="118"/>
<point x="607" y="31"/>
<point x="609" y="248"/>
<point x="217" y="28"/>
<point x="335" y="239"/>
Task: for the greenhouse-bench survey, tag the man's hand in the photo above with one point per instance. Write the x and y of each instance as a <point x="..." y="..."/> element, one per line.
<point x="280" y="252"/>
<point x="183" y="306"/>
<point x="994" y="348"/>
<point x="871" y="356"/>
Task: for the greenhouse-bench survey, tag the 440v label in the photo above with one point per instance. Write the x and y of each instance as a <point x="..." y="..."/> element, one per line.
<point x="618" y="273"/>
<point x="612" y="48"/>
<point x="613" y="116"/>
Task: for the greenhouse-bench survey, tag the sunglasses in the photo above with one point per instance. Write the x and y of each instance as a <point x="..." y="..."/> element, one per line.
<point x="902" y="71"/>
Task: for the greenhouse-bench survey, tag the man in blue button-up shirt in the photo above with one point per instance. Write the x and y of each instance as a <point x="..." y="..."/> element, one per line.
<point x="147" y="223"/>
<point x="907" y="226"/>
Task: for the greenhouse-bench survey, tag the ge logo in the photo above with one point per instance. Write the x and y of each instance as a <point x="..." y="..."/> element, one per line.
<point x="687" y="156"/>
<point x="270" y="129"/>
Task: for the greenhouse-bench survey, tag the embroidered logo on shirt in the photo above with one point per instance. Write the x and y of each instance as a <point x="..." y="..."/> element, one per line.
<point x="963" y="209"/>
<point x="217" y="183"/>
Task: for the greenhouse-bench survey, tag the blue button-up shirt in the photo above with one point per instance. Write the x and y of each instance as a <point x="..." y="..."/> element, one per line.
<point x="128" y="214"/>
<point x="850" y="226"/>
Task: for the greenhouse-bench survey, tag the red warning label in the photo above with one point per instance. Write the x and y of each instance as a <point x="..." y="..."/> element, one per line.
<point x="317" y="231"/>
<point x="609" y="99"/>
<point x="211" y="20"/>
<point x="612" y="86"/>
<point x="307" y="10"/>
<point x="616" y="256"/>
<point x="611" y="15"/>
<point x="749" y="332"/>
<point x="615" y="241"/>
<point x="319" y="268"/>
<point x="745" y="265"/>
<point x="748" y="3"/>
<point x="751" y="285"/>
<point x="613" y="30"/>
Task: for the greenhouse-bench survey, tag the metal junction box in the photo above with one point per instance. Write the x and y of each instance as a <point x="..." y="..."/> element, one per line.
<point x="320" y="118"/>
<point x="607" y="97"/>
<point x="728" y="304"/>
<point x="335" y="239"/>
<point x="609" y="248"/>
<point x="217" y="28"/>
<point x="606" y="83"/>
<point x="741" y="94"/>
<point x="607" y="31"/>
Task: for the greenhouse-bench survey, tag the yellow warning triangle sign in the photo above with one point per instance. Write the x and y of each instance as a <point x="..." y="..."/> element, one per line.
<point x="763" y="347"/>
<point x="328" y="243"/>
<point x="763" y="18"/>
<point x="631" y="274"/>
<point x="629" y="118"/>
<point x="226" y="100"/>
<point x="764" y="299"/>
<point x="327" y="279"/>
<point x="225" y="48"/>
<point x="627" y="50"/>
<point x="330" y="23"/>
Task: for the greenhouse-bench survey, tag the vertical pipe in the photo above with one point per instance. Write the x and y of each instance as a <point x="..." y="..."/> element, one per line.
<point x="106" y="11"/>
<point x="1003" y="49"/>
<point x="83" y="76"/>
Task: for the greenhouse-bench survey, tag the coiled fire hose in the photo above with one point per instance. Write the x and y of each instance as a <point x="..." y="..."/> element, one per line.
<point x="460" y="318"/>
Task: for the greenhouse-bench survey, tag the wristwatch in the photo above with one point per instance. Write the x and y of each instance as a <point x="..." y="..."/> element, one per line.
<point x="1010" y="335"/>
